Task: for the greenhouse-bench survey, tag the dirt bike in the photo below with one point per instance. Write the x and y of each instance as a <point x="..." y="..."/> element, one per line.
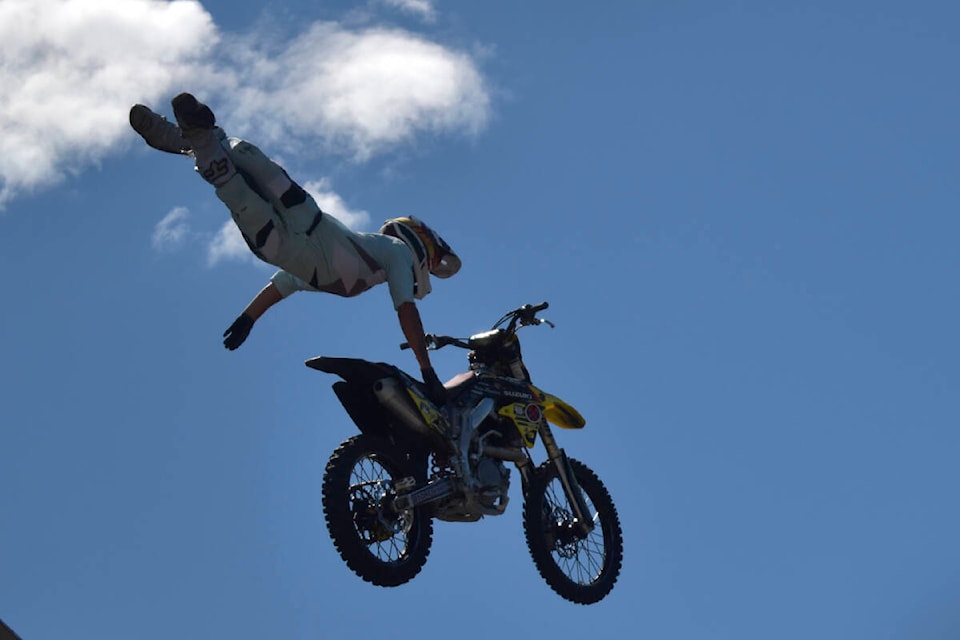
<point x="415" y="461"/>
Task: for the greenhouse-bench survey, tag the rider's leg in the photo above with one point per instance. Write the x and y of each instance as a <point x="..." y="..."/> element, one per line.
<point x="198" y="127"/>
<point x="217" y="159"/>
<point x="263" y="229"/>
<point x="297" y="208"/>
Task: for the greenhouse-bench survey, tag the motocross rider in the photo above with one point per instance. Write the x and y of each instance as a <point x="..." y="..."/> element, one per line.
<point x="283" y="225"/>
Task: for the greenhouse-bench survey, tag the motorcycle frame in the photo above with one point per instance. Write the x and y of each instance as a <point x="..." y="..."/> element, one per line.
<point x="463" y="429"/>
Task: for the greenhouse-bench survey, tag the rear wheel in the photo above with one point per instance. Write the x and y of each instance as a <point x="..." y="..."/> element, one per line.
<point x="380" y="544"/>
<point x="580" y="566"/>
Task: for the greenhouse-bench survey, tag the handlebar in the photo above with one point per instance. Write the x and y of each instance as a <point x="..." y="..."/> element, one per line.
<point x="439" y="342"/>
<point x="527" y="314"/>
<point x="524" y="316"/>
<point x="435" y="342"/>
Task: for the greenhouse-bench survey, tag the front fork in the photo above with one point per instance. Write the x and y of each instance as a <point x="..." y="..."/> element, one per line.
<point x="583" y="520"/>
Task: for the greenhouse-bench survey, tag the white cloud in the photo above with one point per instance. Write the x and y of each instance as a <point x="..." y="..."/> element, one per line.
<point x="360" y="92"/>
<point x="70" y="69"/>
<point x="422" y="8"/>
<point x="228" y="245"/>
<point x="172" y="231"/>
<point x="333" y="204"/>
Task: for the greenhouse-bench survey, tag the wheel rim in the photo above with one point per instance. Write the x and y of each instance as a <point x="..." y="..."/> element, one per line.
<point x="384" y="531"/>
<point x="579" y="557"/>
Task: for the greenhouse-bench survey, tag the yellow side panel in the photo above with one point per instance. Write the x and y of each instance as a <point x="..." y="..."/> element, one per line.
<point x="427" y="410"/>
<point x="526" y="417"/>
<point x="562" y="414"/>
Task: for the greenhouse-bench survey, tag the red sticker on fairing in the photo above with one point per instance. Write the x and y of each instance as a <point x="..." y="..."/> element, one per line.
<point x="533" y="413"/>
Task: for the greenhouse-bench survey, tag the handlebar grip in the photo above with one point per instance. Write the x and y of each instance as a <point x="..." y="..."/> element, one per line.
<point x="530" y="310"/>
<point x="404" y="345"/>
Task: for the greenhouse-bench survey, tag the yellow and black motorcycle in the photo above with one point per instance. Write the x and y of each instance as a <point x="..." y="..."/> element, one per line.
<point x="414" y="461"/>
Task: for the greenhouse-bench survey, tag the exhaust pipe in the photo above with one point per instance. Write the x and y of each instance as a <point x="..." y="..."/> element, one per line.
<point x="390" y="394"/>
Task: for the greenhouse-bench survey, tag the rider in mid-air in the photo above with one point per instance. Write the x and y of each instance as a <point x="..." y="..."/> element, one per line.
<point x="282" y="225"/>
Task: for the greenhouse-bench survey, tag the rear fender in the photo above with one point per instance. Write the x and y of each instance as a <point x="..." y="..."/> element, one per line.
<point x="355" y="393"/>
<point x="354" y="370"/>
<point x="362" y="407"/>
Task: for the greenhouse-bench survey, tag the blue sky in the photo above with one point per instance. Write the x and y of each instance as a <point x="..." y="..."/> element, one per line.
<point x="743" y="214"/>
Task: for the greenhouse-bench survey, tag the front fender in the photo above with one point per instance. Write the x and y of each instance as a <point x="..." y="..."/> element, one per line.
<point x="562" y="414"/>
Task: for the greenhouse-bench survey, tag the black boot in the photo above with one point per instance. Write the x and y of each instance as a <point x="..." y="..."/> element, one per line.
<point x="191" y="114"/>
<point x="198" y="124"/>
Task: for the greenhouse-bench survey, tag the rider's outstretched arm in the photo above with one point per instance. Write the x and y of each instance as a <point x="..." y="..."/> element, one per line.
<point x="412" y="328"/>
<point x="266" y="298"/>
<point x="234" y="336"/>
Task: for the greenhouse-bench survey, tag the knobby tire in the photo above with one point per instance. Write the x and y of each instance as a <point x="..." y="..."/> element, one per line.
<point x="580" y="569"/>
<point x="382" y="547"/>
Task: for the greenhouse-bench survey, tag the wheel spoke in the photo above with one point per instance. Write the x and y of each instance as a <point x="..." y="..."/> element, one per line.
<point x="579" y="560"/>
<point x="370" y="485"/>
<point x="579" y="557"/>
<point x="379" y="544"/>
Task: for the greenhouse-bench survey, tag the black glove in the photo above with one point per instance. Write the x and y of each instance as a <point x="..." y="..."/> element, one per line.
<point x="238" y="332"/>
<point x="435" y="390"/>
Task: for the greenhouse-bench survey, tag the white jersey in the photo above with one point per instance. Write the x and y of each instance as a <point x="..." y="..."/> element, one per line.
<point x="283" y="225"/>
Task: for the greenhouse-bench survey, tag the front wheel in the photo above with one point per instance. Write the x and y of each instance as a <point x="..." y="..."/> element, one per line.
<point x="380" y="544"/>
<point x="580" y="567"/>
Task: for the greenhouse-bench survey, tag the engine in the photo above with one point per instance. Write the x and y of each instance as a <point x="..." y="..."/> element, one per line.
<point x="492" y="476"/>
<point x="486" y="490"/>
<point x="494" y="483"/>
